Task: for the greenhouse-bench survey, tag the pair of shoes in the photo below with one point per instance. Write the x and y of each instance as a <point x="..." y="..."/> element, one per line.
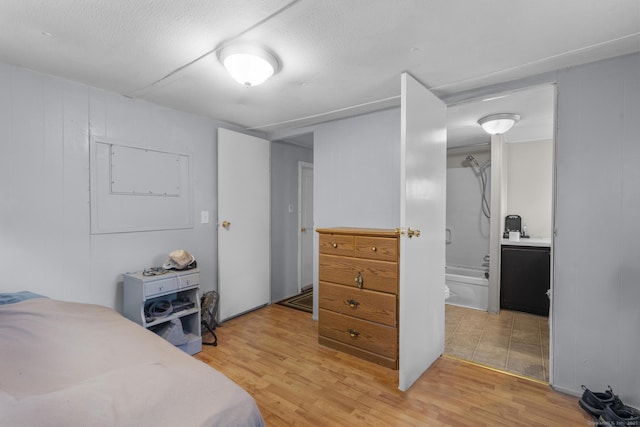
<point x="607" y="408"/>
<point x="595" y="403"/>
<point x="619" y="417"/>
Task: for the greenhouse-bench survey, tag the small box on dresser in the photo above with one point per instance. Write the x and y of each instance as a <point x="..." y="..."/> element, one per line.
<point x="181" y="288"/>
<point x="358" y="292"/>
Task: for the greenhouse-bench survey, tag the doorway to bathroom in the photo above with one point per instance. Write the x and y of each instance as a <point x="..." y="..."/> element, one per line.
<point x="489" y="177"/>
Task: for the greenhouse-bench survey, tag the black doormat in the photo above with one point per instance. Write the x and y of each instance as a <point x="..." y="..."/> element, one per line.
<point x="303" y="301"/>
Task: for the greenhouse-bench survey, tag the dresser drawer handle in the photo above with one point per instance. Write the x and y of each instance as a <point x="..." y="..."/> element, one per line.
<point x="359" y="280"/>
<point x="374" y="249"/>
<point x="353" y="332"/>
<point x="352" y="303"/>
<point x="334" y="244"/>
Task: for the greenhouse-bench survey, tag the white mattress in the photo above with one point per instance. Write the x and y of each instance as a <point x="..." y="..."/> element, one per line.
<point x="66" y="364"/>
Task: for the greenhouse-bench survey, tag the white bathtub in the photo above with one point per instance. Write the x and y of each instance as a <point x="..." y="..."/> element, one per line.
<point x="467" y="287"/>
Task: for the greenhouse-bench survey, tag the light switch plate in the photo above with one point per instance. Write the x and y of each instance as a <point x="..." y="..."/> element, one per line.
<point x="204" y="217"/>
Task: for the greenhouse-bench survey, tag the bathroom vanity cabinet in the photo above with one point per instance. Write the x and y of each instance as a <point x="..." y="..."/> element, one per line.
<point x="525" y="278"/>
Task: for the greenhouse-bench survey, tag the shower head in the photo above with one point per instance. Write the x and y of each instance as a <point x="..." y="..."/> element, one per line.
<point x="473" y="161"/>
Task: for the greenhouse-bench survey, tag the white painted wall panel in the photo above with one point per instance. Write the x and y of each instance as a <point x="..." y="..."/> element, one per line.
<point x="45" y="194"/>
<point x="71" y="280"/>
<point x="357" y="179"/>
<point x="596" y="292"/>
<point x="629" y="299"/>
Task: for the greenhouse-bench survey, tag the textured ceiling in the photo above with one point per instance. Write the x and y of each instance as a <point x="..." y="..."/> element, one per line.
<point x="339" y="58"/>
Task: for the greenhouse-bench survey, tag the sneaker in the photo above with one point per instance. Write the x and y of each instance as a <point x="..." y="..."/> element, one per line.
<point x="626" y="416"/>
<point x="594" y="403"/>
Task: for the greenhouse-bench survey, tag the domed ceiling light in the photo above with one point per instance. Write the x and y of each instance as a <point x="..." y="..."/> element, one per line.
<point x="249" y="65"/>
<point x="498" y="123"/>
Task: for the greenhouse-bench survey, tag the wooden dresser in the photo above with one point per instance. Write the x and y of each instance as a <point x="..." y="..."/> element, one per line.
<point x="358" y="292"/>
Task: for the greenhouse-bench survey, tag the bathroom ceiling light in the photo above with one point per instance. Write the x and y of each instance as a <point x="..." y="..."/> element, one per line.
<point x="498" y="123"/>
<point x="249" y="65"/>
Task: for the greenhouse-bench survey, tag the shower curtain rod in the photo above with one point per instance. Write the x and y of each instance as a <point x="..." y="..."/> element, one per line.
<point x="479" y="144"/>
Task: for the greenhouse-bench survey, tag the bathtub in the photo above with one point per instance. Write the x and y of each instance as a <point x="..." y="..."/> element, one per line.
<point x="467" y="287"/>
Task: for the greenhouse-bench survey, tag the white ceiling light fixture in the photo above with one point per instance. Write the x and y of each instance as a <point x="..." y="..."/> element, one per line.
<point x="249" y="65"/>
<point x="498" y="123"/>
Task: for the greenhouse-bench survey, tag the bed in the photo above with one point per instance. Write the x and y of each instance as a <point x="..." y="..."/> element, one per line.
<point x="65" y="364"/>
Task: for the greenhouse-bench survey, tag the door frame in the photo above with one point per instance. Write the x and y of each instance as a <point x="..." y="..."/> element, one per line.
<point x="497" y="150"/>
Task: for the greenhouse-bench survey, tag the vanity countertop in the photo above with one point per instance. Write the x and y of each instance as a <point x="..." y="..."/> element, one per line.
<point x="529" y="241"/>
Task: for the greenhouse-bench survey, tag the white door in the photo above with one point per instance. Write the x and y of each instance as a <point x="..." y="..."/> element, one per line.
<point x="423" y="208"/>
<point x="243" y="223"/>
<point x="305" y="209"/>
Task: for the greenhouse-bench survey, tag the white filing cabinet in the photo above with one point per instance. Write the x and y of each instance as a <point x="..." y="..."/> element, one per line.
<point x="178" y="287"/>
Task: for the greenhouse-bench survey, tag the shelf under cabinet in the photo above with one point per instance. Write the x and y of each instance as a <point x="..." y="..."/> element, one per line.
<point x="170" y="317"/>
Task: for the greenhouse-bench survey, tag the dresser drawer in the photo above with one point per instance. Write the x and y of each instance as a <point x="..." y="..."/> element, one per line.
<point x="188" y="280"/>
<point x="381" y="248"/>
<point x="368" y="305"/>
<point x="376" y="275"/>
<point x="160" y="286"/>
<point x="373" y="337"/>
<point x="336" y="244"/>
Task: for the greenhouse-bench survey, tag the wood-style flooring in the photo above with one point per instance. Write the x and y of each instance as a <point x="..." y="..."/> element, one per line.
<point x="274" y="354"/>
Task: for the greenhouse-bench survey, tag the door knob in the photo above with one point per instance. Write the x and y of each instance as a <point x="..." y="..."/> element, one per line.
<point x="226" y="224"/>
<point x="411" y="232"/>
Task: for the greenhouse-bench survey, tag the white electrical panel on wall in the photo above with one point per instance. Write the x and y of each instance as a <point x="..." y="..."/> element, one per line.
<point x="143" y="172"/>
<point x="137" y="188"/>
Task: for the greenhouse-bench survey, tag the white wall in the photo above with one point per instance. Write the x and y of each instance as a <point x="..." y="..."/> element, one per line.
<point x="356" y="171"/>
<point x="529" y="185"/>
<point x="45" y="239"/>
<point x="596" y="296"/>
<point x="284" y="224"/>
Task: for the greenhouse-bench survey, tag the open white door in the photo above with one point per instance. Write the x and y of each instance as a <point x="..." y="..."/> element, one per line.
<point x="244" y="248"/>
<point x="423" y="208"/>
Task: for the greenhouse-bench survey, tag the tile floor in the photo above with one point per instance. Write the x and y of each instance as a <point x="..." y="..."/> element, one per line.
<point x="510" y="341"/>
